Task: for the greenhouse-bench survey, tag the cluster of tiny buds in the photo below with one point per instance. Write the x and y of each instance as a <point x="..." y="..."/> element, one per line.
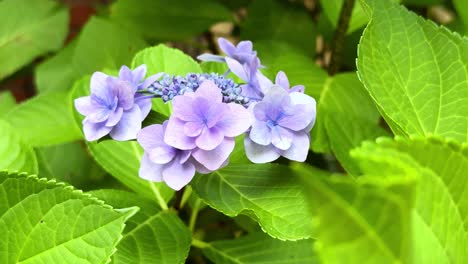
<point x="169" y="86"/>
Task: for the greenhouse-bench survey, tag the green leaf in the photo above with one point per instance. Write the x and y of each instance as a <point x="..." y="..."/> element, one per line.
<point x="260" y="248"/>
<point x="441" y="206"/>
<point x="14" y="154"/>
<point x="121" y="159"/>
<point x="103" y="44"/>
<point x="416" y="72"/>
<point x="300" y="68"/>
<point x="169" y="20"/>
<point x="168" y="60"/>
<point x="29" y="29"/>
<point x="461" y="7"/>
<point x="342" y="98"/>
<point x="274" y="20"/>
<point x="152" y="235"/>
<point x="346" y="134"/>
<point x="57" y="73"/>
<point x="161" y="58"/>
<point x="269" y="193"/>
<point x="366" y="219"/>
<point x="71" y="163"/>
<point x="44" y="120"/>
<point x="332" y="9"/>
<point x="7" y="102"/>
<point x="47" y="222"/>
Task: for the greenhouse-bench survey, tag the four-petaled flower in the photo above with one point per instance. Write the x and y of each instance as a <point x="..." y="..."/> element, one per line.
<point x="201" y="122"/>
<point x="113" y="107"/>
<point x="281" y="128"/>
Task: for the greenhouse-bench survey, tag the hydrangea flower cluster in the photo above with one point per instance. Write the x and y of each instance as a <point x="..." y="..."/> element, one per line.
<point x="209" y="111"/>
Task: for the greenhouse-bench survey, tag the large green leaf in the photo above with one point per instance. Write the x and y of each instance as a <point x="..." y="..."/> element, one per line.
<point x="152" y="235"/>
<point x="270" y="194"/>
<point x="7" y="102"/>
<point x="260" y="248"/>
<point x="57" y="73"/>
<point x="168" y="60"/>
<point x="47" y="222"/>
<point x="416" y="72"/>
<point x="29" y="29"/>
<point x="121" y="159"/>
<point x="275" y="20"/>
<point x="442" y="204"/>
<point x="15" y="155"/>
<point x="343" y="99"/>
<point x="103" y="44"/>
<point x="298" y="66"/>
<point x="366" y="220"/>
<point x="169" y="20"/>
<point x="44" y="120"/>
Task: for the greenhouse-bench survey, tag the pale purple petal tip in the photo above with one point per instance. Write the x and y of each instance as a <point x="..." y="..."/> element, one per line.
<point x="129" y="125"/>
<point x="258" y="153"/>
<point x="149" y="170"/>
<point x="178" y="175"/>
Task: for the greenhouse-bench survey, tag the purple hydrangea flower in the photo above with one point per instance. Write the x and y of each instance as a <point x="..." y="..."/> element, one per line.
<point x="243" y="52"/>
<point x="161" y="162"/>
<point x="282" y="80"/>
<point x="256" y="82"/>
<point x="201" y="122"/>
<point x="281" y="128"/>
<point x="113" y="107"/>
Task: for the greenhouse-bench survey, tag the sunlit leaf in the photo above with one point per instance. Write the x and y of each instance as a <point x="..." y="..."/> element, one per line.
<point x="47" y="222"/>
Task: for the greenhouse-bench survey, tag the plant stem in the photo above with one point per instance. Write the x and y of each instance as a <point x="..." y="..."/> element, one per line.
<point x="193" y="216"/>
<point x="159" y="198"/>
<point x="199" y="244"/>
<point x="340" y="35"/>
<point x="185" y="197"/>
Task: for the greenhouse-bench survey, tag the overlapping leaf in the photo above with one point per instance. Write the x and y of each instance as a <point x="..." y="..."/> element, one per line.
<point x="270" y="194"/>
<point x="260" y="248"/>
<point x="15" y="155"/>
<point x="47" y="222"/>
<point x="368" y="220"/>
<point x="57" y="73"/>
<point x="44" y="120"/>
<point x="441" y="206"/>
<point x="29" y="29"/>
<point x="152" y="235"/>
<point x="416" y="72"/>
